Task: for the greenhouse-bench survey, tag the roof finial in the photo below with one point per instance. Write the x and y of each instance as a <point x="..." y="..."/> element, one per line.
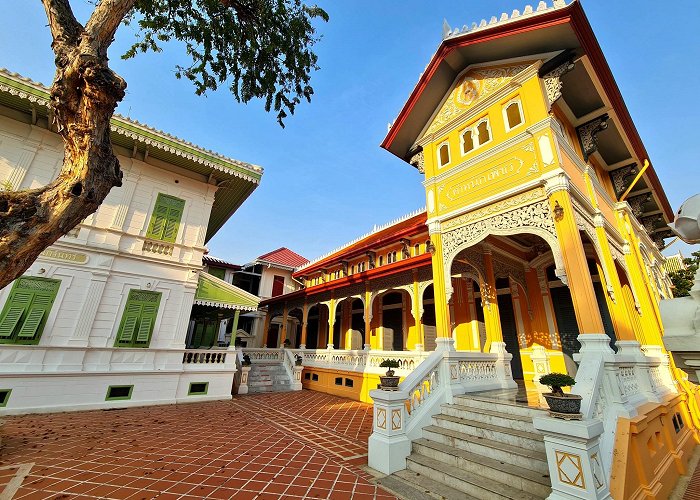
<point x="446" y="28"/>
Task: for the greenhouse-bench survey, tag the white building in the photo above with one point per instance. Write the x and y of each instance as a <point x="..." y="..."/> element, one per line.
<point x="102" y="317"/>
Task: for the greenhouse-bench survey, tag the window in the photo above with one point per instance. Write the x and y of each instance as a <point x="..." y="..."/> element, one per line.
<point x="352" y="269"/>
<point x="467" y="141"/>
<point x="314" y="377"/>
<point x="24" y="316"/>
<point x="444" y="154"/>
<point x="119" y="392"/>
<point x="218" y="272"/>
<point x="277" y="285"/>
<point x="307" y="376"/>
<point x="416" y="249"/>
<point x="361" y="267"/>
<point x="390" y="257"/>
<point x="381" y="260"/>
<point x="339" y="381"/>
<point x="166" y="217"/>
<point x="198" y="388"/>
<point x="4" y="397"/>
<point x="513" y="114"/>
<point x="349" y="382"/>
<point x="483" y="132"/>
<point x="138" y="319"/>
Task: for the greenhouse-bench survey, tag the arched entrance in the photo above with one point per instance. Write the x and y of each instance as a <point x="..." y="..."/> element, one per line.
<point x="509" y="328"/>
<point x="393" y="325"/>
<point x="428" y="319"/>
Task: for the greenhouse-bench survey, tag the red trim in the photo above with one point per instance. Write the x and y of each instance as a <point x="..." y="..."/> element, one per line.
<point x="378" y="272"/>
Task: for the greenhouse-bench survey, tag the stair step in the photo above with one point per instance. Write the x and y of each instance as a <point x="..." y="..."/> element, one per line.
<point x="508" y="407"/>
<point x="490" y="416"/>
<point x="515" y="437"/>
<point x="467" y="482"/>
<point x="410" y="485"/>
<point x="514" y="455"/>
<point x="522" y="478"/>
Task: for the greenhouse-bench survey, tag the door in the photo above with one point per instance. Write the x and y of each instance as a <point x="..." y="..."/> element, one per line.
<point x="510" y="334"/>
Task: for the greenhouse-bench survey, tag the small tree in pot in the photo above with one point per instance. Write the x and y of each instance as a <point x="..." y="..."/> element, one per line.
<point x="390" y="382"/>
<point x="561" y="405"/>
<point x="246" y="360"/>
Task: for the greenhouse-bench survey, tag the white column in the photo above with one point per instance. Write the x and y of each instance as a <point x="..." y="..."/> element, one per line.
<point x="183" y="319"/>
<point x="128" y="188"/>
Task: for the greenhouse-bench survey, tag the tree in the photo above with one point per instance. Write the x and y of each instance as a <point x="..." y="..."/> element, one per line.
<point x="684" y="279"/>
<point x="260" y="48"/>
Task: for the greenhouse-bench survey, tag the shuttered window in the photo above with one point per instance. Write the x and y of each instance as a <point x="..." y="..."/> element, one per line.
<point x="138" y="319"/>
<point x="166" y="217"/>
<point x="24" y="315"/>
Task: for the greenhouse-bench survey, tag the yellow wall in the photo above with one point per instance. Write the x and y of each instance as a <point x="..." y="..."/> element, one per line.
<point x="362" y="383"/>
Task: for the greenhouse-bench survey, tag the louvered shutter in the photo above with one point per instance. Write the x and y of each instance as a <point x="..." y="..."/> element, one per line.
<point x="148" y="319"/>
<point x="9" y="322"/>
<point x="175" y="209"/>
<point x="132" y="311"/>
<point x="158" y="220"/>
<point x="16" y="306"/>
<point x="30" y="327"/>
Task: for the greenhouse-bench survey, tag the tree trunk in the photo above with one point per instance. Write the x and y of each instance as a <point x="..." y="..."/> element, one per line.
<point x="84" y="95"/>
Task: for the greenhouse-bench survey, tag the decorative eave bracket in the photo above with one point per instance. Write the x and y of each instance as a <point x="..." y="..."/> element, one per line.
<point x="588" y="132"/>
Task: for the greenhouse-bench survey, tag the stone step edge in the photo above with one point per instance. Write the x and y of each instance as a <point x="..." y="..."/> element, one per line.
<point x="534" y="436"/>
<point x="491" y="463"/>
<point x="502" y="489"/>
<point x="504" y="447"/>
<point x="426" y="489"/>
<point x="491" y="413"/>
<point x="500" y="402"/>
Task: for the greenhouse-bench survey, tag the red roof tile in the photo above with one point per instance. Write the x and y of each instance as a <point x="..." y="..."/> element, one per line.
<point x="285" y="257"/>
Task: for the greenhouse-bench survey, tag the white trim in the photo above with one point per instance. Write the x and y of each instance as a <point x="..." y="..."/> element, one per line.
<point x="446" y="142"/>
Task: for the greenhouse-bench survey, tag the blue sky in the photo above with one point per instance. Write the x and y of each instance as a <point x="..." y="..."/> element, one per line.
<point x="326" y="180"/>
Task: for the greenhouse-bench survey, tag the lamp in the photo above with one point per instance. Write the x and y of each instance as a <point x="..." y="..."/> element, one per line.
<point x="558" y="212"/>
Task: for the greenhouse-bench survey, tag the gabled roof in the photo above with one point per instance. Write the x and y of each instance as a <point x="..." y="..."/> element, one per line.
<point x="213" y="292"/>
<point x="404" y="226"/>
<point x="237" y="179"/>
<point x="284" y="257"/>
<point x="215" y="261"/>
<point x="541" y="30"/>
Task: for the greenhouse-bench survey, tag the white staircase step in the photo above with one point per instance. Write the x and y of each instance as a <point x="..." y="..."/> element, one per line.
<point x="491" y="416"/>
<point x="521" y="478"/>
<point x="503" y="452"/>
<point x="473" y="484"/>
<point x="411" y="485"/>
<point x="507" y="435"/>
<point x="502" y="406"/>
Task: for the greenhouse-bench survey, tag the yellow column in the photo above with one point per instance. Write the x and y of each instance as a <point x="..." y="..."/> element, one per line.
<point x="577" y="273"/>
<point x="442" y="314"/>
<point x="368" y="316"/>
<point x="331" y="321"/>
<point x="283" y="330"/>
<point x="304" y="324"/>
<point x="489" y="300"/>
<point x="420" y="336"/>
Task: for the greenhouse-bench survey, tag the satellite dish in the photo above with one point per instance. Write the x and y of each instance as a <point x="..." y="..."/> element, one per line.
<point x="686" y="225"/>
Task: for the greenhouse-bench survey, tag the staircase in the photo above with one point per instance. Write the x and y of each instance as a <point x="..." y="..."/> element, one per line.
<point x="268" y="378"/>
<point x="477" y="448"/>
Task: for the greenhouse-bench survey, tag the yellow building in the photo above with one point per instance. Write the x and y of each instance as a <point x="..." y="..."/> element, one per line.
<point x="542" y="232"/>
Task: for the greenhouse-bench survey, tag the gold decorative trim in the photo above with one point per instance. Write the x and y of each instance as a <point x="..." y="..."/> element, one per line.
<point x="381" y="418"/>
<point x="395" y="420"/>
<point x="496" y="208"/>
<point x="565" y="463"/>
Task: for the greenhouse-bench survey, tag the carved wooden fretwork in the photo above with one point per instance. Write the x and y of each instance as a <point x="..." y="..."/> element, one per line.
<point x="553" y="83"/>
<point x="393" y="281"/>
<point x="468" y="260"/>
<point x="418" y="161"/>
<point x="650" y="223"/>
<point x="659" y="237"/>
<point x="585" y="225"/>
<point x="276" y="309"/>
<point x="503" y="267"/>
<point x="621" y="177"/>
<point x="637" y="203"/>
<point x="587" y="134"/>
<point x="295" y="304"/>
<point x="496" y="208"/>
<point x="357" y="291"/>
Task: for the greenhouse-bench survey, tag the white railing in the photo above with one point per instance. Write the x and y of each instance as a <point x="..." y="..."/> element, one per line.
<point x="64" y="359"/>
<point x="612" y="385"/>
<point x="263" y="356"/>
<point x="399" y="416"/>
<point x="361" y="361"/>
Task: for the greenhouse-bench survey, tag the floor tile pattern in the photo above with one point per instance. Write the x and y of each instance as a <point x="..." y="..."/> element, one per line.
<point x="267" y="446"/>
<point x="692" y="492"/>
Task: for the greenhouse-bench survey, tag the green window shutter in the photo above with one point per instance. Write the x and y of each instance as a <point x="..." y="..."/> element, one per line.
<point x="30" y="327"/>
<point x="148" y="319"/>
<point x="166" y="218"/>
<point x="139" y="318"/>
<point x="9" y="322"/>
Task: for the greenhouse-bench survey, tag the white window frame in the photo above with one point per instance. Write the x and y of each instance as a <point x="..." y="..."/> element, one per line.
<point x="476" y="131"/>
<point x="449" y="154"/>
<point x="504" y="110"/>
<point x="461" y="141"/>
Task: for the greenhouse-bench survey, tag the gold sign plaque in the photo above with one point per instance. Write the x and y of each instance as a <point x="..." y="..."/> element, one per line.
<point x="62" y="255"/>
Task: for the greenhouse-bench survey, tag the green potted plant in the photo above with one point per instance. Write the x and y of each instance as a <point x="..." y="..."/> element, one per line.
<point x="561" y="405"/>
<point x="389" y="382"/>
<point x="298" y="359"/>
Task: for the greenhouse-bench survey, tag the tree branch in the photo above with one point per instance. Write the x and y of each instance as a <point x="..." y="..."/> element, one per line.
<point x="105" y="20"/>
<point x="65" y="28"/>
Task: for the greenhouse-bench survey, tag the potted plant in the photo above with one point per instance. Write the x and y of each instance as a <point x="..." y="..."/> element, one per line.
<point x="298" y="359"/>
<point x="567" y="406"/>
<point x="246" y="360"/>
<point x="390" y="382"/>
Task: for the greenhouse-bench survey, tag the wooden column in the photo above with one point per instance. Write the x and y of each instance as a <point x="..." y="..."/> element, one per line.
<point x="304" y="325"/>
<point x="266" y="327"/>
<point x="283" y="330"/>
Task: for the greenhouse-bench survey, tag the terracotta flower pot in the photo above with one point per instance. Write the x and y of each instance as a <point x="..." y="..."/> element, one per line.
<point x="567" y="406"/>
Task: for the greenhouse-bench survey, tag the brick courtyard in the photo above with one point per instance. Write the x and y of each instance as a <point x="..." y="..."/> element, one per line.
<point x="268" y="446"/>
